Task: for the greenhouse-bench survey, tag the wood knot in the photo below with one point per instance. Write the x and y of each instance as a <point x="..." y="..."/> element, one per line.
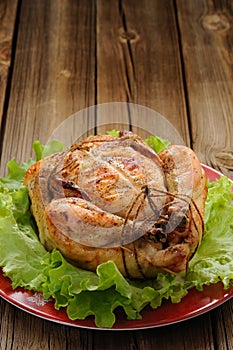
<point x="224" y="161"/>
<point x="66" y="73"/>
<point x="215" y="22"/>
<point x="5" y="53"/>
<point x="128" y="36"/>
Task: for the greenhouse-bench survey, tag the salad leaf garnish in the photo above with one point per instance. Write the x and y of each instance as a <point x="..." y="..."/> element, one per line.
<point x="213" y="261"/>
<point x="113" y="132"/>
<point x="43" y="151"/>
<point x="15" y="176"/>
<point x="157" y="143"/>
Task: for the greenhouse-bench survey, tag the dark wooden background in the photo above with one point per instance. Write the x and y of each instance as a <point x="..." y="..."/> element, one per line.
<point x="60" y="56"/>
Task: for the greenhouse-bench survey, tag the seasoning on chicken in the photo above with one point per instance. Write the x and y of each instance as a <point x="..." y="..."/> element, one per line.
<point x="113" y="198"/>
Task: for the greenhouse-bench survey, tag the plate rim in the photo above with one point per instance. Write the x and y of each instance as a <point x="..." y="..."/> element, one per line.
<point x="91" y="325"/>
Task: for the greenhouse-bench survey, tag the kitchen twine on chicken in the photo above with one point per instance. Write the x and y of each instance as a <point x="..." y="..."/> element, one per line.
<point x="58" y="185"/>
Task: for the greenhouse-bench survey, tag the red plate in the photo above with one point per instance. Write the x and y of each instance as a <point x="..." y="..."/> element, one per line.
<point x="193" y="304"/>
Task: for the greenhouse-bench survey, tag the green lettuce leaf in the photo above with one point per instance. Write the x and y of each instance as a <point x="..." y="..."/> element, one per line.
<point x="43" y="151"/>
<point x="87" y="293"/>
<point x="157" y="143"/>
<point x="14" y="179"/>
<point x="20" y="251"/>
<point x="16" y="172"/>
<point x="213" y="261"/>
<point x="113" y="132"/>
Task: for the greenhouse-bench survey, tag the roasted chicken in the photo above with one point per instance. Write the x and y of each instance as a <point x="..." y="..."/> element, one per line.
<point x="113" y="198"/>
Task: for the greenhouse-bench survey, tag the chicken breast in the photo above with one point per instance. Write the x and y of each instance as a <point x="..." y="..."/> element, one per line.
<point x="113" y="198"/>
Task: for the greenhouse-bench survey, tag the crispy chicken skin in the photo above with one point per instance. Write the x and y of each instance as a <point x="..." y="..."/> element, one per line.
<point x="113" y="198"/>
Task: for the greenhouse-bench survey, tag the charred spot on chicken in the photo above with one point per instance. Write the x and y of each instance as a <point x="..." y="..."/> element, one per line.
<point x="114" y="198"/>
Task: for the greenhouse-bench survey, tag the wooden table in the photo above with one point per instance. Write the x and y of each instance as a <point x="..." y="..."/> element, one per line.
<point x="60" y="56"/>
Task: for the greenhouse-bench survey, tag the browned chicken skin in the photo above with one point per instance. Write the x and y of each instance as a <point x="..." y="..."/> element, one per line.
<point x="113" y="198"/>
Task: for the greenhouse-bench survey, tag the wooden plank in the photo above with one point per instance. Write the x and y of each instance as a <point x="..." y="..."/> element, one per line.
<point x="222" y="321"/>
<point x="207" y="39"/>
<point x="53" y="74"/>
<point x="34" y="333"/>
<point x="194" y="334"/>
<point x="8" y="9"/>
<point x="53" y="77"/>
<point x="206" y="29"/>
<point x="138" y="58"/>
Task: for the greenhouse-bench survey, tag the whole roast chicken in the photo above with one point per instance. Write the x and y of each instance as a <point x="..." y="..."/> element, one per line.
<point x="113" y="198"/>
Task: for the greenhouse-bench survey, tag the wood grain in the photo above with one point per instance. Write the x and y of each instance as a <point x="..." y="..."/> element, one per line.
<point x="32" y="333"/>
<point x="206" y="29"/>
<point x="138" y="43"/>
<point x="8" y="10"/>
<point x="53" y="73"/>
